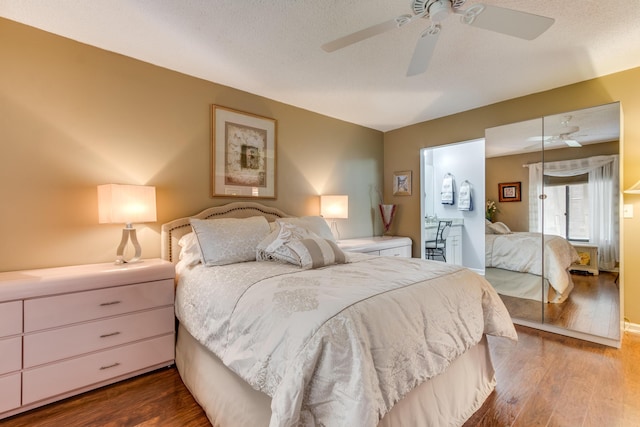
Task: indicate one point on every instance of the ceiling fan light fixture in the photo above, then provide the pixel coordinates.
(439, 10)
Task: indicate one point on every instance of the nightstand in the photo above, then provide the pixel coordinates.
(384, 246)
(68, 330)
(588, 258)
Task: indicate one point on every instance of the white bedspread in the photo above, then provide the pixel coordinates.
(523, 252)
(338, 345)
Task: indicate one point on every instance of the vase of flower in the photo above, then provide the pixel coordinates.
(387, 212)
(491, 210)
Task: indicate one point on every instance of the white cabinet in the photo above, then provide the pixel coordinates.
(84, 327)
(384, 246)
(454, 245)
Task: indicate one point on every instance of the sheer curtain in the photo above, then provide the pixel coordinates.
(603, 200)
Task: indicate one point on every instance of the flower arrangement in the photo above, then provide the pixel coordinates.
(491, 210)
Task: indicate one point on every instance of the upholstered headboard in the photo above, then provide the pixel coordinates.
(174, 230)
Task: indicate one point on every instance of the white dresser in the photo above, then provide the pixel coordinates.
(67, 330)
(384, 245)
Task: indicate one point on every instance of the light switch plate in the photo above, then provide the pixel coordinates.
(628, 211)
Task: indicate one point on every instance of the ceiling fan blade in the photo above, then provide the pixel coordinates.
(572, 143)
(507, 21)
(366, 33)
(423, 51)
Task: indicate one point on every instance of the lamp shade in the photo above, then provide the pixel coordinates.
(126, 204)
(634, 189)
(334, 207)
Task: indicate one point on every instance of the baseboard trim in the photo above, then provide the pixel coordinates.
(632, 328)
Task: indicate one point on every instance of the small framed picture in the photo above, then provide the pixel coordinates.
(402, 183)
(509, 192)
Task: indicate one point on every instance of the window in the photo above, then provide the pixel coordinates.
(566, 208)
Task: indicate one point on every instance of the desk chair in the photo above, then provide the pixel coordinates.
(438, 247)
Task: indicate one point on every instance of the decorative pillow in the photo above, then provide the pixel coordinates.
(316, 252)
(487, 227)
(500, 228)
(315, 224)
(189, 249)
(229, 240)
(273, 247)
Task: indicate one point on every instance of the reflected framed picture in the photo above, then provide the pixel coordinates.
(509, 192)
(243, 154)
(402, 183)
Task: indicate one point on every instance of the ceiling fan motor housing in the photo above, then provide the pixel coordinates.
(437, 10)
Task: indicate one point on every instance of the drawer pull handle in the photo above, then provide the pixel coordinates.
(104, 304)
(102, 368)
(109, 335)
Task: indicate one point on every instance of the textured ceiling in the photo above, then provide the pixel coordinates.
(272, 48)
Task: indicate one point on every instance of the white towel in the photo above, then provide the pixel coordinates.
(465, 201)
(446, 193)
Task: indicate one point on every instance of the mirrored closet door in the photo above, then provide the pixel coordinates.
(552, 249)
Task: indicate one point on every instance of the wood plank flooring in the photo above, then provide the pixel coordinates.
(592, 307)
(543, 380)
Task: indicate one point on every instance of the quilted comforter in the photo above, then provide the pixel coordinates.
(523, 252)
(338, 345)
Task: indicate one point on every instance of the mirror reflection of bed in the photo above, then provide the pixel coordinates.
(579, 214)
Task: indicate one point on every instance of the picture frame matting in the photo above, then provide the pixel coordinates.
(243, 154)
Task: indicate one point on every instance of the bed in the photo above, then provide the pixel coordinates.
(273, 343)
(514, 264)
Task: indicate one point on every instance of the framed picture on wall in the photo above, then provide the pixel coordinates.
(402, 183)
(509, 192)
(243, 154)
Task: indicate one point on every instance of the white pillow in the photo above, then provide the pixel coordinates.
(274, 248)
(189, 249)
(500, 228)
(315, 224)
(229, 240)
(316, 252)
(487, 227)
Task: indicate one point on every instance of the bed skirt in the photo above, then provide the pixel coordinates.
(525, 285)
(228, 401)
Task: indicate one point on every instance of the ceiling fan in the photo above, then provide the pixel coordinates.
(566, 135)
(502, 20)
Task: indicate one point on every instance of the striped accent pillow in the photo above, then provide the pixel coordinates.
(316, 252)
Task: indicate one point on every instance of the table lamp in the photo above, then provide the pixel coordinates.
(126, 204)
(334, 207)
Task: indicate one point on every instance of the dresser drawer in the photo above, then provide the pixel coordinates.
(56, 344)
(71, 374)
(10, 392)
(59, 310)
(10, 318)
(10, 354)
(372, 252)
(401, 251)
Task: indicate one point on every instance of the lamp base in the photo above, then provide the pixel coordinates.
(128, 233)
(334, 230)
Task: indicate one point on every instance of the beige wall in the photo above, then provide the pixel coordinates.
(73, 116)
(401, 152)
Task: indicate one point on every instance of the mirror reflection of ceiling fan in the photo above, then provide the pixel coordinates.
(564, 134)
(502, 20)
(567, 134)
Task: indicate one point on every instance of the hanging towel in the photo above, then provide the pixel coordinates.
(446, 193)
(465, 201)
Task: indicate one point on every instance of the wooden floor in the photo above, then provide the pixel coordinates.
(543, 380)
(592, 307)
